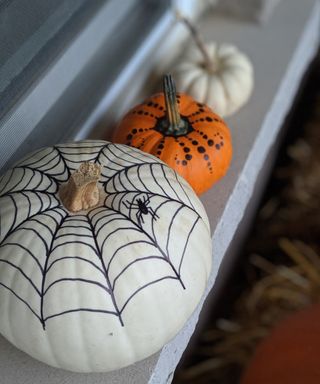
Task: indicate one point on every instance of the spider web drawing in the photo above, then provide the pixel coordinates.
(96, 261)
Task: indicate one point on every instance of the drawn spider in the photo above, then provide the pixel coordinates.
(142, 205)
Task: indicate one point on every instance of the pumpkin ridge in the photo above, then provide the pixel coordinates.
(84, 144)
(185, 193)
(14, 226)
(186, 244)
(229, 104)
(167, 180)
(156, 181)
(151, 242)
(147, 140)
(124, 170)
(128, 161)
(35, 161)
(166, 255)
(95, 156)
(101, 151)
(55, 162)
(117, 171)
(19, 269)
(22, 192)
(137, 229)
(193, 82)
(75, 279)
(27, 251)
(22, 300)
(94, 159)
(25, 159)
(143, 287)
(149, 257)
(14, 187)
(96, 310)
(170, 225)
(49, 250)
(63, 160)
(74, 258)
(42, 173)
(138, 155)
(114, 216)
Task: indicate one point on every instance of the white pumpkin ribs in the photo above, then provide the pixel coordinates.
(83, 262)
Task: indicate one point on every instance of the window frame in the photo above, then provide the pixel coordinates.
(78, 96)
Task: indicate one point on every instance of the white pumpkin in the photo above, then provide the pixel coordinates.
(100, 288)
(219, 75)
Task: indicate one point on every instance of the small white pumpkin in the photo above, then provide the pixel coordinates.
(104, 254)
(219, 75)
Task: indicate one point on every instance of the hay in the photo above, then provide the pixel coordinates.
(229, 344)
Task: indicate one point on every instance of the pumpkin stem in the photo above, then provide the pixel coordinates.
(177, 126)
(197, 38)
(81, 191)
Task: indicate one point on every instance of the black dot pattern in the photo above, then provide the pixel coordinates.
(161, 146)
(203, 139)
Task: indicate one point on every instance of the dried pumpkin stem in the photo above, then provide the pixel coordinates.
(198, 40)
(176, 126)
(81, 191)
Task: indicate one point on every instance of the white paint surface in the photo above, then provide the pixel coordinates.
(280, 51)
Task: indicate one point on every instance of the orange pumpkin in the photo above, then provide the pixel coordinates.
(183, 133)
(290, 354)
